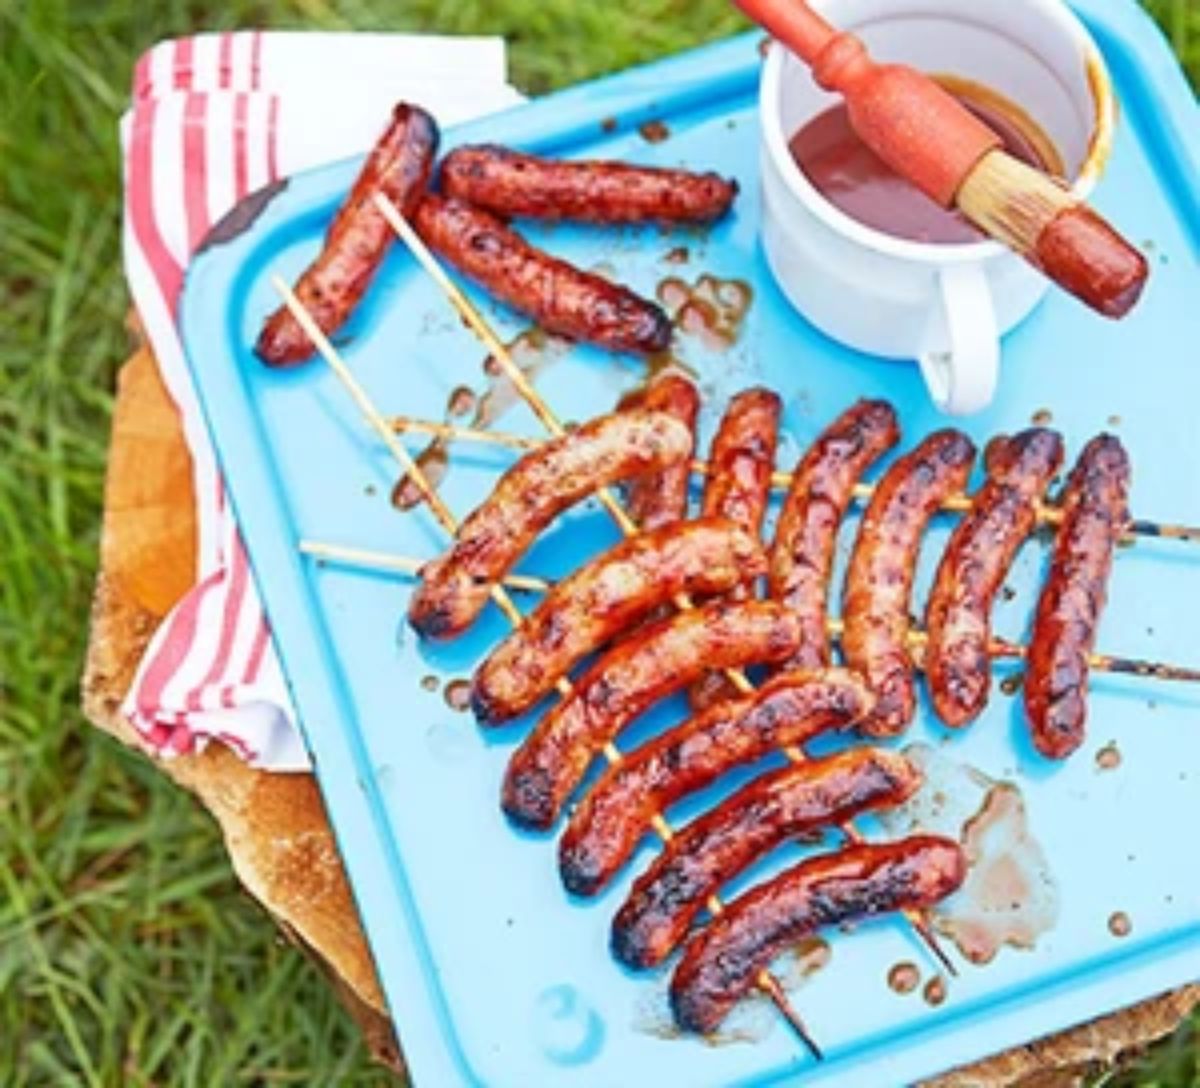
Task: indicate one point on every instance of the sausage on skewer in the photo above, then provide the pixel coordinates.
(509, 182)
(958, 617)
(789, 709)
(600, 601)
(719, 845)
(820, 493)
(741, 461)
(882, 565)
(455, 587)
(561, 298)
(660, 498)
(650, 665)
(398, 166)
(721, 963)
(1095, 515)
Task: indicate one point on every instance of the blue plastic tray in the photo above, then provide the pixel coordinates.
(493, 974)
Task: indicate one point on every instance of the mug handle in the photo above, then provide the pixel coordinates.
(961, 373)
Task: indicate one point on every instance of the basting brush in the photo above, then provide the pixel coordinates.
(927, 136)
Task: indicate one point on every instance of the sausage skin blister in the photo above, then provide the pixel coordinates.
(602, 599)
(455, 587)
(509, 182)
(1095, 516)
(660, 498)
(741, 461)
(958, 617)
(722, 843)
(789, 709)
(561, 298)
(650, 665)
(721, 963)
(882, 566)
(355, 244)
(806, 535)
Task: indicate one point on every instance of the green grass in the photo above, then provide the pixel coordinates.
(127, 953)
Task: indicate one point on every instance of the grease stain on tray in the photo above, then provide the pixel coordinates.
(434, 463)
(457, 694)
(708, 317)
(935, 991)
(532, 350)
(711, 310)
(1109, 757)
(903, 977)
(1009, 897)
(654, 132)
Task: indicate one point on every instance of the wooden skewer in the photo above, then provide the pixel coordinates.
(917, 638)
(543, 411)
(780, 480)
(403, 564)
(766, 982)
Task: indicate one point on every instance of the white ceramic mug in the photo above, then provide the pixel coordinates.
(946, 306)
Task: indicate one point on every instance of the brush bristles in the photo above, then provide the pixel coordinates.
(1011, 201)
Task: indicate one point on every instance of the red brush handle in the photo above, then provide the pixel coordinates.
(793, 22)
(920, 130)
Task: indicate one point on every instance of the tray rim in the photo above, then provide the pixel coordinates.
(408, 974)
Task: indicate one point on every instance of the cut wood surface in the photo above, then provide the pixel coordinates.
(275, 827)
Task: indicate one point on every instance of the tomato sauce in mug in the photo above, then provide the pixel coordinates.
(853, 178)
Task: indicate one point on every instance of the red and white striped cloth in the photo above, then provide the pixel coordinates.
(213, 118)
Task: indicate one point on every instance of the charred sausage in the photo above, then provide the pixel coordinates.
(1095, 515)
(659, 498)
(882, 565)
(649, 666)
(512, 183)
(720, 964)
(398, 166)
(561, 298)
(715, 848)
(958, 618)
(602, 599)
(455, 587)
(789, 709)
(742, 459)
(741, 462)
(806, 535)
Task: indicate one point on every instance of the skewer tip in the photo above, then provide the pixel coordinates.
(921, 925)
(771, 987)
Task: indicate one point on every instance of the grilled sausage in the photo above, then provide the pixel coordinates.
(882, 565)
(806, 535)
(647, 667)
(958, 618)
(743, 458)
(1095, 515)
(512, 183)
(789, 709)
(398, 166)
(720, 964)
(659, 498)
(602, 599)
(741, 462)
(561, 298)
(455, 587)
(715, 848)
